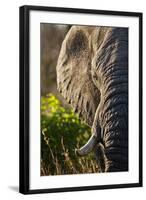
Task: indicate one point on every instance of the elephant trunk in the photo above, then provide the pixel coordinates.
(115, 137)
(114, 121)
(110, 76)
(111, 72)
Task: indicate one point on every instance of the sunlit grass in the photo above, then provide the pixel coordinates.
(61, 132)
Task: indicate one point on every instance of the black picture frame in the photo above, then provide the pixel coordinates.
(25, 105)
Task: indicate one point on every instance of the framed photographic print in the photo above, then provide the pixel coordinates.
(80, 99)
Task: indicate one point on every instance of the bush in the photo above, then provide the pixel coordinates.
(61, 132)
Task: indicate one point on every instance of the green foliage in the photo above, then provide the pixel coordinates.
(61, 132)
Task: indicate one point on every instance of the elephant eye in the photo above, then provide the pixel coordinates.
(78, 43)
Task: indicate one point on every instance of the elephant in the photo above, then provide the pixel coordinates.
(92, 76)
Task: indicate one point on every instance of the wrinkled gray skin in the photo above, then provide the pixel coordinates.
(92, 75)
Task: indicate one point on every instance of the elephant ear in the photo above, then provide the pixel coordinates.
(74, 78)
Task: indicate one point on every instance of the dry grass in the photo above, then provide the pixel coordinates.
(67, 165)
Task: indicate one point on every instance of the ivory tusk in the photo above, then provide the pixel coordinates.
(88, 147)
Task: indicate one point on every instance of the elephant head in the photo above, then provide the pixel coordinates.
(92, 75)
